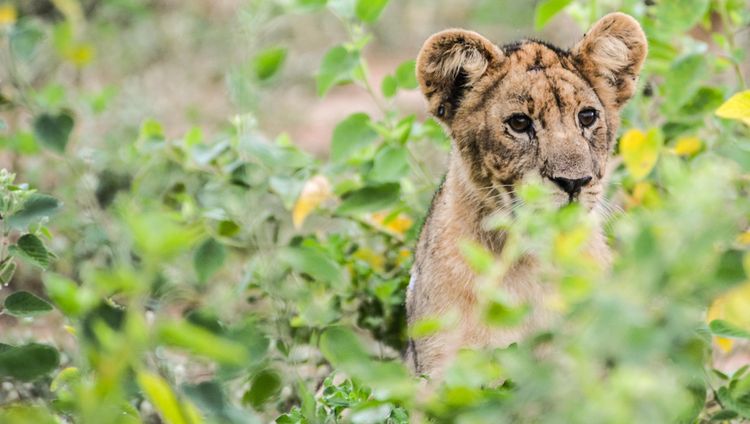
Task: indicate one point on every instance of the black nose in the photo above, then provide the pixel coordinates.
(571, 186)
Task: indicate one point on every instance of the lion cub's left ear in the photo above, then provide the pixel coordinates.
(611, 55)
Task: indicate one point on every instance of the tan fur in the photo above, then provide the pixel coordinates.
(473, 87)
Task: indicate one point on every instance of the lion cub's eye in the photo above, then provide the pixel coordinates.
(587, 117)
(519, 123)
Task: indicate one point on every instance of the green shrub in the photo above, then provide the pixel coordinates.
(234, 278)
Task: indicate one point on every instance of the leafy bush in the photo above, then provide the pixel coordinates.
(236, 278)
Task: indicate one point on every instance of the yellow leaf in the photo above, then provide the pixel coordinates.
(737, 107)
(376, 261)
(315, 191)
(162, 397)
(8, 14)
(398, 224)
(644, 194)
(80, 55)
(734, 307)
(640, 151)
(687, 146)
(744, 238)
(71, 9)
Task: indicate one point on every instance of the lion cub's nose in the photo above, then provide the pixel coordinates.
(571, 186)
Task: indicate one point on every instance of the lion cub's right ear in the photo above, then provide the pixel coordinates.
(449, 64)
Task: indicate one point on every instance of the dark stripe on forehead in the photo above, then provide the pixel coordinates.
(489, 92)
(556, 93)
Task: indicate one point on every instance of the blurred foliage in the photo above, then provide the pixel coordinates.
(235, 278)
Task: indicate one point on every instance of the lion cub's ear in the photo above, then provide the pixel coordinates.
(611, 55)
(449, 64)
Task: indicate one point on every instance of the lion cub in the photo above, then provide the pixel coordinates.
(526, 109)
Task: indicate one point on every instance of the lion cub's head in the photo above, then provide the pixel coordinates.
(531, 109)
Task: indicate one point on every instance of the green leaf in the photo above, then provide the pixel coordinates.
(546, 10)
(723, 328)
(7, 270)
(30, 248)
(264, 386)
(675, 16)
(72, 300)
(406, 75)
(310, 4)
(683, 80)
(310, 261)
(65, 377)
(391, 163)
(25, 304)
(19, 413)
(54, 130)
(162, 397)
(370, 199)
(389, 86)
(369, 10)
(336, 68)
(36, 207)
(342, 348)
(208, 258)
(268, 62)
(350, 135)
(201, 342)
(28, 362)
(25, 39)
(479, 259)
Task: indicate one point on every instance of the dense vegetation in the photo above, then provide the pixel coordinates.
(223, 276)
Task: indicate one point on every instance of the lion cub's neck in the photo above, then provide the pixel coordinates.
(464, 207)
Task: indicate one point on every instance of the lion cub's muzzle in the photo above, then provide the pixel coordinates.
(571, 186)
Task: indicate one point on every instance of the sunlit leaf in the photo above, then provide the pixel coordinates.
(25, 304)
(315, 191)
(202, 342)
(65, 377)
(688, 146)
(369, 10)
(162, 397)
(8, 14)
(640, 151)
(546, 10)
(20, 413)
(737, 107)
